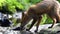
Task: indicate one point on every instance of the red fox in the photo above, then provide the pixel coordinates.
(51, 8)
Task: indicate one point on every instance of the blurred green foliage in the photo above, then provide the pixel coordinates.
(10, 5)
(58, 0)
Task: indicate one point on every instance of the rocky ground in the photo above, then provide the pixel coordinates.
(43, 29)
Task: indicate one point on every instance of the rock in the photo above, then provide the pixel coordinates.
(54, 30)
(1, 33)
(43, 29)
(11, 32)
(26, 32)
(6, 30)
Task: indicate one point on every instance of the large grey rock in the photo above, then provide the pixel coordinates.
(54, 30)
(43, 29)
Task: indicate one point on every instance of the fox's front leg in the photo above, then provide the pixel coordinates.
(24, 21)
(38, 23)
(33, 22)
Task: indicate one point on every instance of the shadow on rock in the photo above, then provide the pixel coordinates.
(43, 31)
(26, 32)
